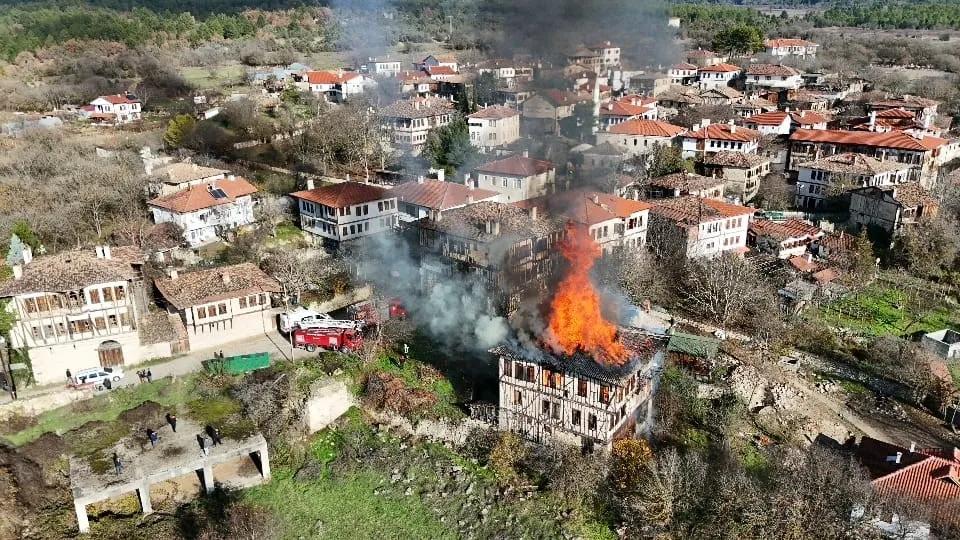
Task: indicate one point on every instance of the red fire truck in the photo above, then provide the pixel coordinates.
(330, 339)
(367, 315)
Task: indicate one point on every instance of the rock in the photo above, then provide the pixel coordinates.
(408, 492)
(469, 489)
(395, 478)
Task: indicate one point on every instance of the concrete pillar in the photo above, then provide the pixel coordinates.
(208, 478)
(264, 463)
(82, 521)
(144, 493)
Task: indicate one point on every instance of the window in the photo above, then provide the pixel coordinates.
(201, 312)
(36, 332)
(366, 226)
(344, 231)
(262, 299)
(112, 320)
(592, 421)
(582, 388)
(556, 411)
(507, 367)
(222, 308)
(530, 374)
(575, 417)
(347, 210)
(95, 296)
(353, 229)
(252, 300)
(100, 323)
(108, 295)
(545, 409)
(243, 302)
(518, 371)
(604, 394)
(124, 320)
(517, 397)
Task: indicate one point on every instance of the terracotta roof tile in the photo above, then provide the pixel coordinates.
(418, 108)
(440, 70)
(213, 284)
(684, 67)
(181, 173)
(722, 68)
(559, 98)
(621, 108)
(646, 128)
(788, 42)
(585, 207)
(438, 195)
(725, 132)
(895, 113)
(807, 118)
(775, 70)
(739, 160)
(792, 228)
(826, 276)
(802, 264)
(892, 139)
(853, 163)
(516, 165)
(198, 197)
(344, 194)
(330, 77)
(686, 182)
(495, 112)
(912, 195)
(471, 222)
(904, 102)
(774, 118)
(120, 99)
(701, 53)
(694, 210)
(73, 270)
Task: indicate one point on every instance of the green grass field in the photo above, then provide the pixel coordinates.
(216, 77)
(105, 407)
(882, 309)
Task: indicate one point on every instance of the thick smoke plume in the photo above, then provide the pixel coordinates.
(456, 310)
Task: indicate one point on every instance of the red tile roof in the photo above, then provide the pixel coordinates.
(621, 108)
(344, 194)
(931, 476)
(701, 53)
(892, 139)
(200, 196)
(773, 70)
(558, 98)
(826, 276)
(646, 128)
(214, 284)
(329, 77)
(516, 166)
(438, 195)
(440, 70)
(584, 206)
(725, 132)
(895, 113)
(695, 210)
(792, 228)
(802, 264)
(788, 42)
(495, 112)
(774, 118)
(120, 99)
(684, 66)
(722, 68)
(807, 118)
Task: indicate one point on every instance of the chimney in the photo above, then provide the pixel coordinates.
(99, 251)
(898, 457)
(873, 118)
(310, 184)
(489, 225)
(106, 252)
(803, 114)
(596, 199)
(348, 178)
(705, 122)
(913, 447)
(469, 199)
(226, 278)
(809, 257)
(27, 254)
(231, 177)
(420, 179)
(733, 128)
(533, 213)
(17, 271)
(174, 274)
(441, 174)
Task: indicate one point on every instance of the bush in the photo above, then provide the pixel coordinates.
(506, 454)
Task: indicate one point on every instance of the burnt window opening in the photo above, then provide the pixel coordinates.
(604, 394)
(582, 388)
(546, 408)
(531, 376)
(575, 417)
(592, 421)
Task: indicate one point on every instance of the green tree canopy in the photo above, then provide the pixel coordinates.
(449, 146)
(178, 130)
(738, 40)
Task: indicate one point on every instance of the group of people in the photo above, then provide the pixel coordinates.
(210, 431)
(145, 375)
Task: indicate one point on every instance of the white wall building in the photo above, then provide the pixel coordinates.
(494, 126)
(431, 198)
(207, 211)
(407, 122)
(773, 77)
(699, 227)
(336, 85)
(712, 138)
(517, 177)
(791, 47)
(717, 75)
(639, 137)
(382, 66)
(115, 109)
(221, 305)
(346, 211)
(831, 176)
(78, 309)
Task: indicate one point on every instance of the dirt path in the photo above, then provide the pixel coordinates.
(839, 409)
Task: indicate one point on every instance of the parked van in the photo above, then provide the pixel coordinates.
(96, 376)
(308, 318)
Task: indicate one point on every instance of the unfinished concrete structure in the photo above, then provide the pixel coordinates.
(576, 399)
(176, 455)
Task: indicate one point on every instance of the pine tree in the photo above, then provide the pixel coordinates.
(15, 253)
(178, 129)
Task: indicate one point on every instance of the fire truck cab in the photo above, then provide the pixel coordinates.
(330, 339)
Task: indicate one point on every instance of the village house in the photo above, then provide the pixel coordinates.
(675, 98)
(838, 248)
(517, 177)
(543, 112)
(682, 73)
(573, 400)
(220, 305)
(115, 109)
(648, 83)
(494, 126)
(753, 107)
(335, 85)
(784, 47)
(783, 240)
(440, 73)
(346, 212)
(924, 110)
(741, 173)
(944, 343)
(179, 176)
(508, 250)
(785, 122)
(809, 100)
(604, 156)
(514, 97)
(431, 198)
(716, 75)
(407, 122)
(703, 58)
(617, 111)
(411, 83)
(708, 138)
(206, 212)
(832, 176)
(923, 154)
(928, 476)
(432, 61)
(892, 207)
(613, 222)
(886, 120)
(79, 309)
(773, 78)
(683, 184)
(382, 66)
(600, 57)
(640, 137)
(721, 95)
(698, 227)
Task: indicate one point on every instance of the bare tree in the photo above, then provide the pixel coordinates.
(721, 289)
(272, 210)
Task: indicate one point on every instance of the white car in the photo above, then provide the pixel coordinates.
(96, 376)
(307, 318)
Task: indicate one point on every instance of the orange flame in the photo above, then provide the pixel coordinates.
(576, 323)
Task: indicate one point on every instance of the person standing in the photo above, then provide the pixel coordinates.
(203, 444)
(216, 437)
(149, 376)
(172, 420)
(152, 435)
(69, 377)
(117, 465)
